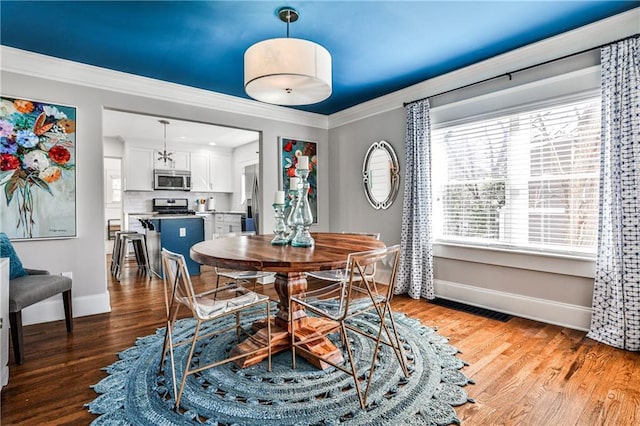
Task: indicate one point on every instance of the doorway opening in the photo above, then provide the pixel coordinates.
(112, 199)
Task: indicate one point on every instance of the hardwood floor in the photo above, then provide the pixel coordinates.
(526, 372)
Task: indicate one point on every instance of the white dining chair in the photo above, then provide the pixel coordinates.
(228, 300)
(337, 275)
(238, 276)
(342, 301)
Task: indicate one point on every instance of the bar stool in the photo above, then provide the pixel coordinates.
(139, 247)
(115, 254)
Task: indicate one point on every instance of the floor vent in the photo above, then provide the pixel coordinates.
(483, 312)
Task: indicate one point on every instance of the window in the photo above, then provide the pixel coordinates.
(525, 179)
(114, 188)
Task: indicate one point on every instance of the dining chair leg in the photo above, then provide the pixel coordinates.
(382, 309)
(397, 346)
(67, 302)
(238, 334)
(292, 336)
(17, 338)
(165, 343)
(269, 351)
(171, 319)
(169, 346)
(354, 373)
(186, 368)
(375, 355)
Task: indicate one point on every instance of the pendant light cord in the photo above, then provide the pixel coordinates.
(165, 139)
(165, 155)
(288, 15)
(288, 22)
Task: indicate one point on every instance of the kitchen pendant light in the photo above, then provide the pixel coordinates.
(165, 155)
(287, 71)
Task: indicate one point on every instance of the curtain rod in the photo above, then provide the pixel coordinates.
(510, 74)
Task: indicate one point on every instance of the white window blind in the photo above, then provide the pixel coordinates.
(525, 179)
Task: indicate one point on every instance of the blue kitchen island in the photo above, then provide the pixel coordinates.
(176, 233)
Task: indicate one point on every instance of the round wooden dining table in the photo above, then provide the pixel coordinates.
(256, 253)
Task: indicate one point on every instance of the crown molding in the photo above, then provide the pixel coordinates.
(47, 67)
(50, 68)
(595, 34)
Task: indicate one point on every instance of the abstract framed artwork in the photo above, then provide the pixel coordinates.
(290, 150)
(37, 169)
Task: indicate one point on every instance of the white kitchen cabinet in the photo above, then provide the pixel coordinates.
(4, 321)
(200, 174)
(209, 229)
(221, 172)
(211, 172)
(181, 160)
(220, 224)
(224, 223)
(138, 173)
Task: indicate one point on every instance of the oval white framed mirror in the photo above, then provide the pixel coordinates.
(380, 175)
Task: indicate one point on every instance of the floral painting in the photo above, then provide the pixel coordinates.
(37, 169)
(290, 151)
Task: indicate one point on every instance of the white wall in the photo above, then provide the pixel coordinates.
(113, 147)
(349, 143)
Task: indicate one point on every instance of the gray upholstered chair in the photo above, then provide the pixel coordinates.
(26, 290)
(29, 286)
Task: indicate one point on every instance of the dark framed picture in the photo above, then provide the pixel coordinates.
(37, 169)
(291, 150)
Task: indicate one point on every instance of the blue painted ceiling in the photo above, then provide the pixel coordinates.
(377, 46)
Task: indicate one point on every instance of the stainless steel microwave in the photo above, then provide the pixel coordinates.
(169, 179)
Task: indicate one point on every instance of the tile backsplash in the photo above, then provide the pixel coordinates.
(141, 201)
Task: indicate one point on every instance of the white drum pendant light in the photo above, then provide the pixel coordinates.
(287, 71)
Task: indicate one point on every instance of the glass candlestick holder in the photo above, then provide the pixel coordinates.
(293, 201)
(279, 229)
(302, 213)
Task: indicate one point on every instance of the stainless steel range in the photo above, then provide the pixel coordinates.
(171, 206)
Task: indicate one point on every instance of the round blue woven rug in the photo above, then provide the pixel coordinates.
(135, 394)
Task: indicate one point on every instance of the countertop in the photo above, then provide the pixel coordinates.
(218, 212)
(152, 215)
(197, 215)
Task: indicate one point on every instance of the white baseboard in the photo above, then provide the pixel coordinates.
(52, 309)
(543, 310)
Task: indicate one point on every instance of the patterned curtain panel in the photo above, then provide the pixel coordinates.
(616, 296)
(415, 273)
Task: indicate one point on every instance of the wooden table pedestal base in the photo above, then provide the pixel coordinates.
(281, 340)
